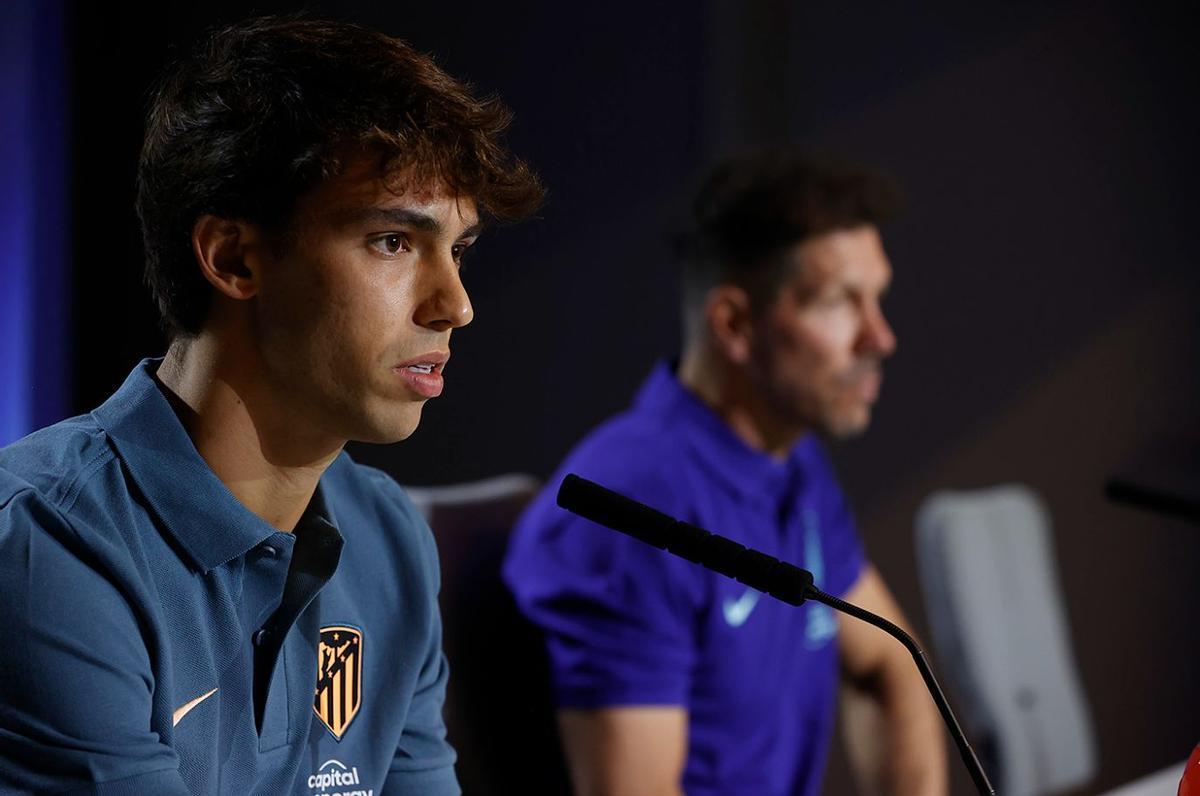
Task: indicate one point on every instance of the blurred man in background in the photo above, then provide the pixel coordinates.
(202, 592)
(669, 677)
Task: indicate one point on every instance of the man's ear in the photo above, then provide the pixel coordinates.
(727, 312)
(222, 246)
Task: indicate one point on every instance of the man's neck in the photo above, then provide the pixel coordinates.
(244, 432)
(725, 390)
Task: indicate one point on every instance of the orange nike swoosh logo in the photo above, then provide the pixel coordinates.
(186, 708)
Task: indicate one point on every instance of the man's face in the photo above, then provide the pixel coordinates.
(817, 347)
(356, 308)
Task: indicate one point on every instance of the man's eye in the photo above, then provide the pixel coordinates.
(458, 250)
(833, 300)
(391, 244)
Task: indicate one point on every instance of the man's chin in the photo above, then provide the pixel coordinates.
(849, 426)
(390, 429)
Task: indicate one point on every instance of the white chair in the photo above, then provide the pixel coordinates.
(990, 580)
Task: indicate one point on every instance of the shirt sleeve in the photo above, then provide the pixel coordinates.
(424, 761)
(618, 615)
(76, 686)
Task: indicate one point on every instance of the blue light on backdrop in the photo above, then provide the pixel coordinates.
(34, 227)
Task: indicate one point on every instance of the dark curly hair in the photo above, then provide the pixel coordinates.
(265, 110)
(754, 207)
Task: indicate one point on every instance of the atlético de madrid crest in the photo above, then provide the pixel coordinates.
(339, 677)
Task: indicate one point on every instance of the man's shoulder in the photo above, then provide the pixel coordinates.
(55, 462)
(375, 499)
(346, 475)
(633, 443)
(64, 510)
(632, 453)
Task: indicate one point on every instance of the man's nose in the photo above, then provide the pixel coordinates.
(445, 304)
(877, 335)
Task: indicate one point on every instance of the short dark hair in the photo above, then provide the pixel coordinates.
(755, 206)
(265, 110)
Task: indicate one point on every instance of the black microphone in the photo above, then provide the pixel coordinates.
(757, 570)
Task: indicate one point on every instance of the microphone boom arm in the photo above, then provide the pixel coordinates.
(939, 698)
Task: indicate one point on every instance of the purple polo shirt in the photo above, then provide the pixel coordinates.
(627, 624)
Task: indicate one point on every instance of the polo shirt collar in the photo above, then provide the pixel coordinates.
(195, 508)
(751, 473)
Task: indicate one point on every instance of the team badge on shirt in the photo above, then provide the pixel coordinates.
(339, 677)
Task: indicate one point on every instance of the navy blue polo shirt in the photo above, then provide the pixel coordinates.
(627, 624)
(161, 638)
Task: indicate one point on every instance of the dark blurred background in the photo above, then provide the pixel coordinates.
(1045, 279)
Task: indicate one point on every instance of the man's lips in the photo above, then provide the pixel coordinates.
(864, 382)
(434, 359)
(423, 374)
(868, 386)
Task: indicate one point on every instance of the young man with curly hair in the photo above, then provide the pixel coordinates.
(202, 592)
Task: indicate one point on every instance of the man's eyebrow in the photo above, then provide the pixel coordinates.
(415, 219)
(473, 231)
